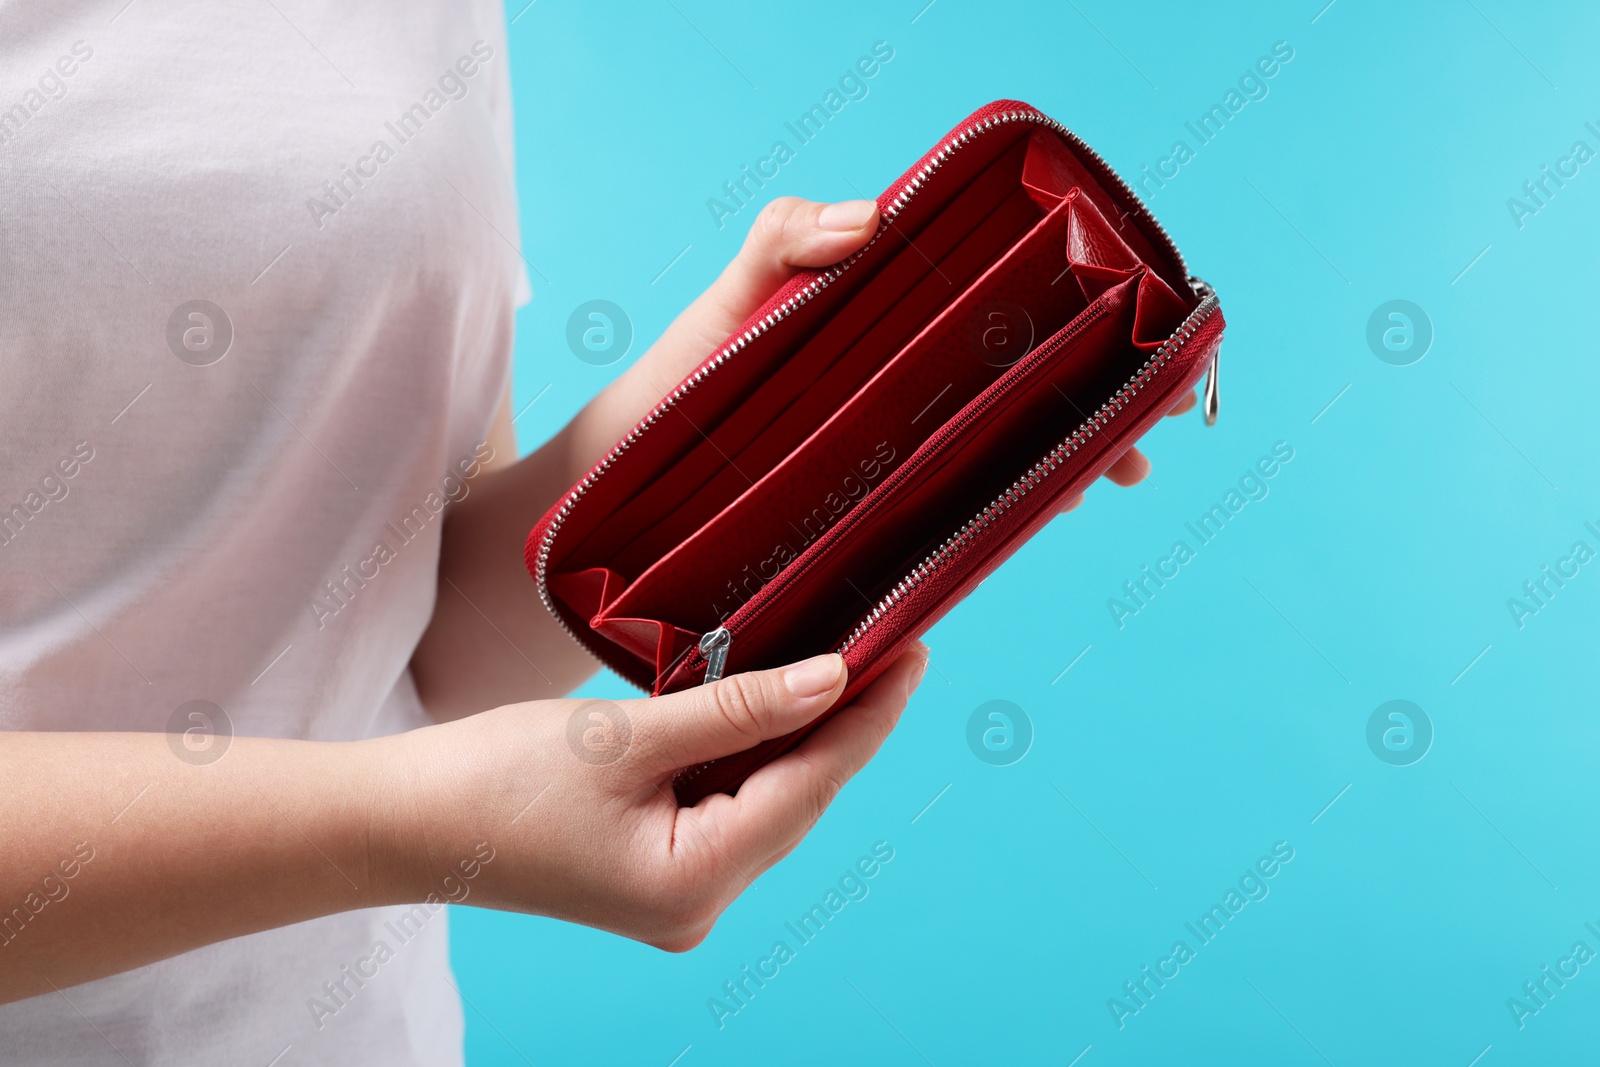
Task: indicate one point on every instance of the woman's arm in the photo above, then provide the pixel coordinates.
(116, 852)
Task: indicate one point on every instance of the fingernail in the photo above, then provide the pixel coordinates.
(814, 676)
(915, 678)
(849, 215)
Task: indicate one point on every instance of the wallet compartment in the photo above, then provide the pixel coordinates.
(661, 549)
(828, 347)
(863, 440)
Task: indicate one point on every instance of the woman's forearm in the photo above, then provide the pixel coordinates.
(117, 851)
(490, 642)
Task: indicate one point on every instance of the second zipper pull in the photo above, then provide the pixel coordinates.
(1212, 400)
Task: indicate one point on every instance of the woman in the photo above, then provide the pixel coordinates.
(259, 279)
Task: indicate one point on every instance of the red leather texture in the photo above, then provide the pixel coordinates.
(882, 434)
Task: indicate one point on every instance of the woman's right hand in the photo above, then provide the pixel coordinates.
(126, 848)
(573, 798)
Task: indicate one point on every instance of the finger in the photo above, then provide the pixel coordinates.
(1186, 402)
(1130, 468)
(788, 235)
(778, 804)
(1071, 504)
(733, 714)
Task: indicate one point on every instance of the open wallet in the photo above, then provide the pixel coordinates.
(883, 433)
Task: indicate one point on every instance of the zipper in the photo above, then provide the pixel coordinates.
(931, 163)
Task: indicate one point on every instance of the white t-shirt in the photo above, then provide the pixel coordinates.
(257, 281)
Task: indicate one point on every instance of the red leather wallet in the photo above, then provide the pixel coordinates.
(884, 433)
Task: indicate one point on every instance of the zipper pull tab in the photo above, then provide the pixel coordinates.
(714, 646)
(1212, 400)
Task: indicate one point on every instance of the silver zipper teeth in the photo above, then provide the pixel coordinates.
(784, 310)
(1030, 481)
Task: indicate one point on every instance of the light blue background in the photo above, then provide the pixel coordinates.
(1228, 714)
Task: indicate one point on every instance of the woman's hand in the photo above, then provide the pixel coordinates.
(573, 798)
(124, 849)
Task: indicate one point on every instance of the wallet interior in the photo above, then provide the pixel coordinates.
(818, 465)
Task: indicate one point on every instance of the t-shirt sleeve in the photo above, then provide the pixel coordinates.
(504, 131)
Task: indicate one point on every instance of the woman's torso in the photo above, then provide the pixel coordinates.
(257, 279)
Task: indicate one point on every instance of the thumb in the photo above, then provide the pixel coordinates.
(788, 235)
(735, 713)
(791, 233)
